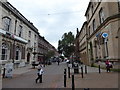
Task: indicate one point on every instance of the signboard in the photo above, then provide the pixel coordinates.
(105, 35)
(9, 70)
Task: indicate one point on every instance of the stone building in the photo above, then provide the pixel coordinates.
(83, 44)
(102, 31)
(20, 41)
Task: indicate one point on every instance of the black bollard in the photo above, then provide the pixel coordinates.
(73, 84)
(64, 77)
(99, 69)
(82, 71)
(85, 69)
(68, 72)
(3, 73)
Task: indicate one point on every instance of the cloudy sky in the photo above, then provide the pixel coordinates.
(53, 18)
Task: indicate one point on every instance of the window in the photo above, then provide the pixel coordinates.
(35, 37)
(20, 31)
(6, 23)
(92, 9)
(101, 15)
(4, 52)
(89, 31)
(17, 57)
(29, 33)
(29, 43)
(88, 16)
(94, 25)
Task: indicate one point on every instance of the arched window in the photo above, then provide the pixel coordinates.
(4, 53)
(17, 56)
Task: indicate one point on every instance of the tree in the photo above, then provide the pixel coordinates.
(66, 45)
(49, 55)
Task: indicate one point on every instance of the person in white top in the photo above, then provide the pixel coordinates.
(39, 73)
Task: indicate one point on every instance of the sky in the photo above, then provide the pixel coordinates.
(53, 18)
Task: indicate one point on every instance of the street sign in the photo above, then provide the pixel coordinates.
(105, 35)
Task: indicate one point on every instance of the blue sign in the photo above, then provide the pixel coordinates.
(105, 35)
(97, 35)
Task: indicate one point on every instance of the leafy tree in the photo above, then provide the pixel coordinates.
(49, 55)
(66, 45)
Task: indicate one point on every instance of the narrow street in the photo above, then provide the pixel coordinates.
(52, 78)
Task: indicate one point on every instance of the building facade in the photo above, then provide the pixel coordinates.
(20, 41)
(102, 31)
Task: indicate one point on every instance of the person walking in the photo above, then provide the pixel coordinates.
(39, 73)
(108, 66)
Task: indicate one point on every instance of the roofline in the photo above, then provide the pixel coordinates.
(87, 8)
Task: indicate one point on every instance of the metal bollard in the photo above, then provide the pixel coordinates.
(64, 77)
(82, 71)
(85, 69)
(3, 73)
(68, 72)
(73, 84)
(99, 69)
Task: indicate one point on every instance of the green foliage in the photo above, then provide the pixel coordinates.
(66, 46)
(49, 55)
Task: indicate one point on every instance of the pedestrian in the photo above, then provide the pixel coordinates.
(58, 62)
(39, 73)
(40, 66)
(108, 65)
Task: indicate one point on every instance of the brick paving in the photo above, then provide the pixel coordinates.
(53, 78)
(95, 80)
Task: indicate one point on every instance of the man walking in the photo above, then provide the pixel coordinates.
(39, 73)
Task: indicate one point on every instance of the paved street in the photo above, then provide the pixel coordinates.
(53, 78)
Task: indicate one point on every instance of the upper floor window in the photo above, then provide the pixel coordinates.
(101, 15)
(88, 16)
(89, 31)
(29, 43)
(35, 37)
(29, 33)
(4, 53)
(20, 31)
(92, 9)
(6, 23)
(94, 25)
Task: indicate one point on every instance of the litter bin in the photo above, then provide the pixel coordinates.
(76, 68)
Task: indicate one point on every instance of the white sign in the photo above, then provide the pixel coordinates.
(9, 70)
(105, 35)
